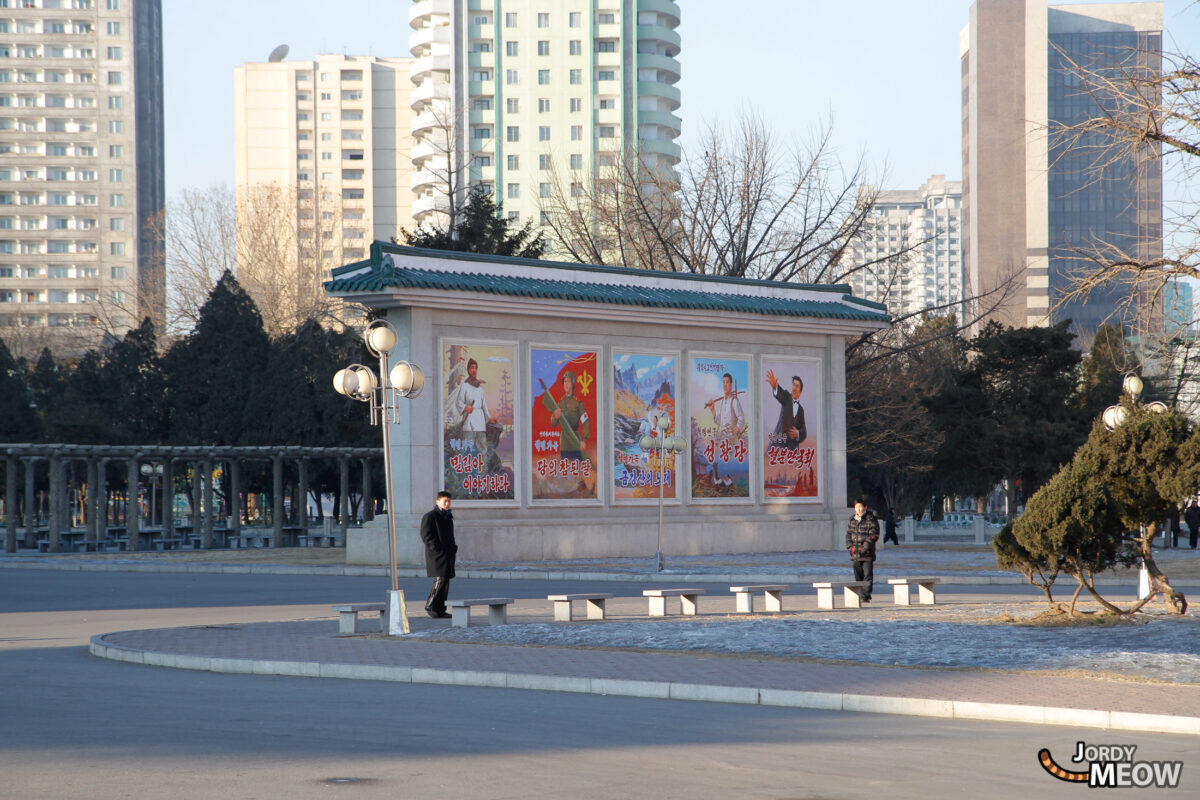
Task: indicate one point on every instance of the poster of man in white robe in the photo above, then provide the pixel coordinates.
(477, 434)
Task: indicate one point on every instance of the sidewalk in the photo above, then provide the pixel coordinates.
(313, 648)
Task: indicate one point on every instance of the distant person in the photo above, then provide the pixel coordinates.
(889, 527)
(1192, 518)
(862, 531)
(1173, 527)
(437, 531)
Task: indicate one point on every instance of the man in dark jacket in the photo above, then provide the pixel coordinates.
(1192, 517)
(862, 531)
(437, 531)
(889, 527)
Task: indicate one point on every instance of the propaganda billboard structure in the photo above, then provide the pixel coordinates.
(548, 375)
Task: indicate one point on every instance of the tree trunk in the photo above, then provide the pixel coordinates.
(1158, 581)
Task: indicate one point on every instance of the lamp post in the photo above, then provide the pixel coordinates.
(154, 473)
(383, 392)
(1114, 417)
(676, 444)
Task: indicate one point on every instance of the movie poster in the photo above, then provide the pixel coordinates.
(643, 393)
(477, 421)
(792, 426)
(718, 397)
(564, 424)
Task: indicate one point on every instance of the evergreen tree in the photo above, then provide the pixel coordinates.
(18, 420)
(135, 388)
(79, 409)
(45, 382)
(215, 376)
(480, 227)
(1103, 371)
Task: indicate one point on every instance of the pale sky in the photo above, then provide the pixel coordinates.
(885, 72)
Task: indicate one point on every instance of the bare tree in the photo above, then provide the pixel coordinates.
(441, 152)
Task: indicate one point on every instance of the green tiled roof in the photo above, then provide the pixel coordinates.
(374, 276)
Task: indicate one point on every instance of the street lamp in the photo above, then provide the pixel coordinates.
(1114, 417)
(383, 392)
(676, 444)
(154, 473)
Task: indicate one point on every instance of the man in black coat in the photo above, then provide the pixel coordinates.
(790, 430)
(862, 531)
(1192, 517)
(437, 531)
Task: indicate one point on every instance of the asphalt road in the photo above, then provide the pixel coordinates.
(72, 725)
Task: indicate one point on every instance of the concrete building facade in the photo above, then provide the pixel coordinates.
(924, 227)
(81, 169)
(333, 134)
(1031, 207)
(517, 94)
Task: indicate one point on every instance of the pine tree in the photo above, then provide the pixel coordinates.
(18, 420)
(480, 227)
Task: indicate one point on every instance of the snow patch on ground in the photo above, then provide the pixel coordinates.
(1165, 649)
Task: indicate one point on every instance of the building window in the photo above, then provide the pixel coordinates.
(543, 190)
(514, 162)
(116, 248)
(118, 297)
(543, 105)
(483, 161)
(510, 20)
(481, 133)
(481, 75)
(115, 126)
(511, 48)
(610, 103)
(606, 46)
(513, 134)
(543, 20)
(576, 47)
(114, 53)
(576, 133)
(352, 75)
(116, 176)
(352, 116)
(117, 273)
(576, 104)
(512, 77)
(544, 47)
(606, 132)
(544, 161)
(575, 19)
(514, 216)
(114, 79)
(114, 29)
(513, 105)
(514, 191)
(115, 151)
(116, 200)
(543, 77)
(543, 133)
(606, 19)
(576, 76)
(607, 75)
(576, 161)
(576, 189)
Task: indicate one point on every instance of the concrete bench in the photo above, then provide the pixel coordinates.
(772, 597)
(315, 539)
(563, 605)
(658, 600)
(850, 595)
(926, 593)
(348, 619)
(460, 610)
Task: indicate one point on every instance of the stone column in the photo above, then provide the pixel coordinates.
(30, 503)
(277, 511)
(100, 499)
(91, 519)
(302, 491)
(133, 527)
(54, 535)
(207, 510)
(10, 504)
(344, 491)
(235, 497)
(197, 496)
(368, 513)
(168, 498)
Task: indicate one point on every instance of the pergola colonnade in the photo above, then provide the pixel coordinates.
(168, 459)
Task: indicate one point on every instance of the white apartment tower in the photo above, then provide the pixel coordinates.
(514, 94)
(909, 255)
(332, 135)
(81, 169)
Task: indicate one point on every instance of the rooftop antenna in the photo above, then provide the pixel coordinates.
(278, 54)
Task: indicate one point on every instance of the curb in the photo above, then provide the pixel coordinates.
(663, 690)
(495, 574)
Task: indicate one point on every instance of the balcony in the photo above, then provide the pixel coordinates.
(424, 67)
(428, 92)
(663, 90)
(667, 7)
(663, 119)
(660, 33)
(421, 10)
(423, 38)
(661, 63)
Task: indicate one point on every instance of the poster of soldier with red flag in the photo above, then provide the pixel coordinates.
(791, 420)
(564, 424)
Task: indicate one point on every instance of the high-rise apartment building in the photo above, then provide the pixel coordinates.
(909, 254)
(1033, 207)
(330, 138)
(519, 94)
(81, 168)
